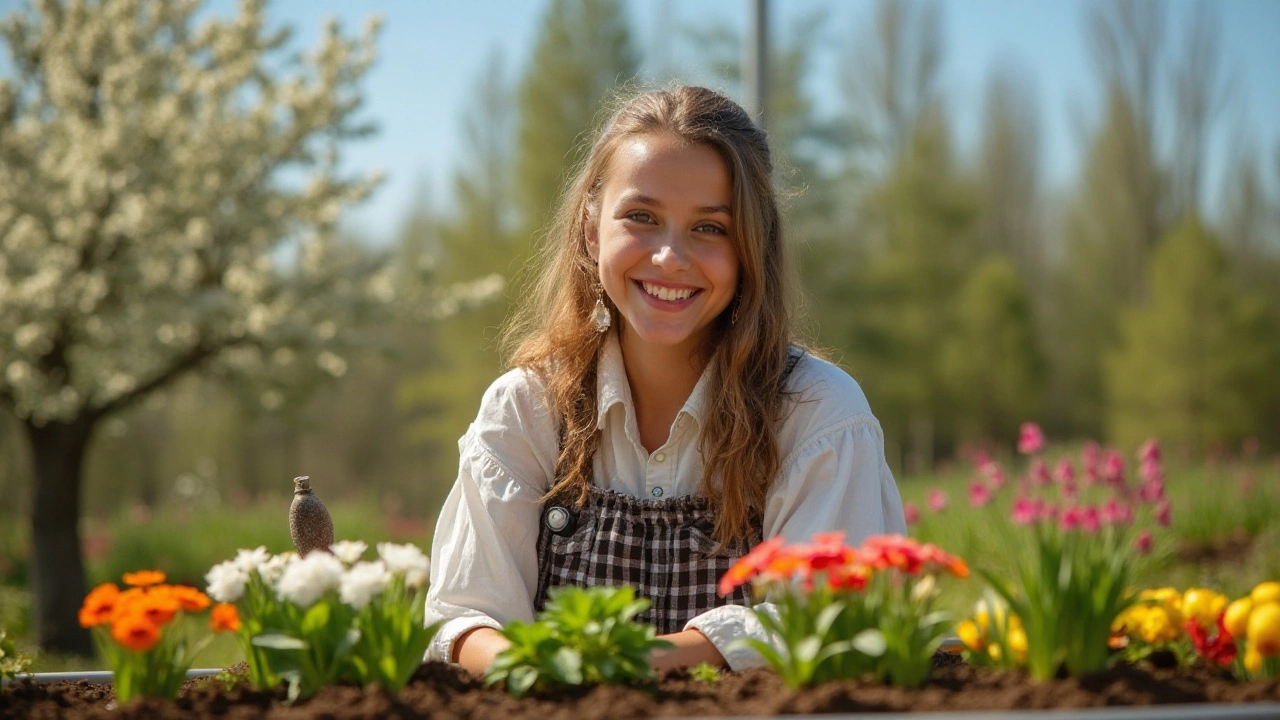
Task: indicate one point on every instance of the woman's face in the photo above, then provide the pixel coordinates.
(664, 240)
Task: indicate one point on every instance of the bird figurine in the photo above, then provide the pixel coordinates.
(309, 523)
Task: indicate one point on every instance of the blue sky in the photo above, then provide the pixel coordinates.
(431, 52)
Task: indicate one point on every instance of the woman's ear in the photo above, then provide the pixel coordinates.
(591, 236)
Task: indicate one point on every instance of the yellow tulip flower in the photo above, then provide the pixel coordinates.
(1264, 629)
(1237, 618)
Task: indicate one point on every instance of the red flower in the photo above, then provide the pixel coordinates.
(749, 565)
(1221, 649)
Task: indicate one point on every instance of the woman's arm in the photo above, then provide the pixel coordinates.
(475, 649)
(691, 648)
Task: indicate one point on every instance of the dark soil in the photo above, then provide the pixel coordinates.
(441, 691)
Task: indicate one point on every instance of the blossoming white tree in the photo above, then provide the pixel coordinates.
(169, 191)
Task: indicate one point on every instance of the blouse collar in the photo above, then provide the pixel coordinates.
(612, 387)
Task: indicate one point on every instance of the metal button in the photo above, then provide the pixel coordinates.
(557, 519)
(656, 492)
(659, 457)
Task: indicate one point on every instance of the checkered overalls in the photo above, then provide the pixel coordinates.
(661, 547)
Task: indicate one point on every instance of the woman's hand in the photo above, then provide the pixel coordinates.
(691, 648)
(475, 649)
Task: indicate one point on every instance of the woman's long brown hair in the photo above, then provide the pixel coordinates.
(553, 337)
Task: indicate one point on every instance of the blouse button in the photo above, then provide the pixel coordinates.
(659, 457)
(656, 492)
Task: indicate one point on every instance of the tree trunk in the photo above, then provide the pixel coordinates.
(57, 452)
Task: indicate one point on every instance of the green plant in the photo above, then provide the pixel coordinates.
(705, 673)
(135, 630)
(840, 612)
(582, 637)
(328, 617)
(1071, 577)
(11, 662)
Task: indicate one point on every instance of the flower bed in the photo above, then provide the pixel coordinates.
(440, 691)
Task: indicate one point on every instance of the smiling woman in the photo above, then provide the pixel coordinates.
(662, 417)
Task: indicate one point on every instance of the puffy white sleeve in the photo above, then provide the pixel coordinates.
(837, 481)
(484, 552)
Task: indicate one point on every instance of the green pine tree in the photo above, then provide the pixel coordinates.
(993, 363)
(1191, 356)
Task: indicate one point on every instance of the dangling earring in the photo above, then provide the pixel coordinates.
(600, 316)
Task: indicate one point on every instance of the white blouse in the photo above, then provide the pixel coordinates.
(484, 571)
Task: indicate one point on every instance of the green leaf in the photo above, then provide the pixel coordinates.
(279, 641)
(567, 663)
(870, 642)
(520, 680)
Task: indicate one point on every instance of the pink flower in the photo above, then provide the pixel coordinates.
(1162, 513)
(1151, 491)
(1071, 518)
(1065, 472)
(1143, 543)
(1030, 439)
(997, 476)
(937, 500)
(1090, 519)
(1048, 511)
(1024, 512)
(1040, 472)
(981, 459)
(1150, 470)
(1115, 512)
(1150, 451)
(979, 493)
(1113, 469)
(911, 513)
(1092, 455)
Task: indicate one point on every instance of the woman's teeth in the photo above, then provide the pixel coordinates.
(668, 294)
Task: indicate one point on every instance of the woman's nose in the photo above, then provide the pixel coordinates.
(671, 253)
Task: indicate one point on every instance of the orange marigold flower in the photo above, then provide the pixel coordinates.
(135, 632)
(157, 607)
(748, 565)
(99, 605)
(143, 578)
(224, 618)
(189, 598)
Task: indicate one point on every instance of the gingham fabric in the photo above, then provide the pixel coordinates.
(661, 547)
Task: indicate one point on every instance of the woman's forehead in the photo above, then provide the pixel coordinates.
(665, 169)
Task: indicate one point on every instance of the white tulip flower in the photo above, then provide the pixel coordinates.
(305, 580)
(363, 582)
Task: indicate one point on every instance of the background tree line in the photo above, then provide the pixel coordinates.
(962, 293)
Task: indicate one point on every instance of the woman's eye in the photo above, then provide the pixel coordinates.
(640, 216)
(710, 228)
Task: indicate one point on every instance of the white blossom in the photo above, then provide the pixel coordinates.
(362, 582)
(349, 551)
(405, 560)
(305, 580)
(226, 581)
(271, 570)
(251, 560)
